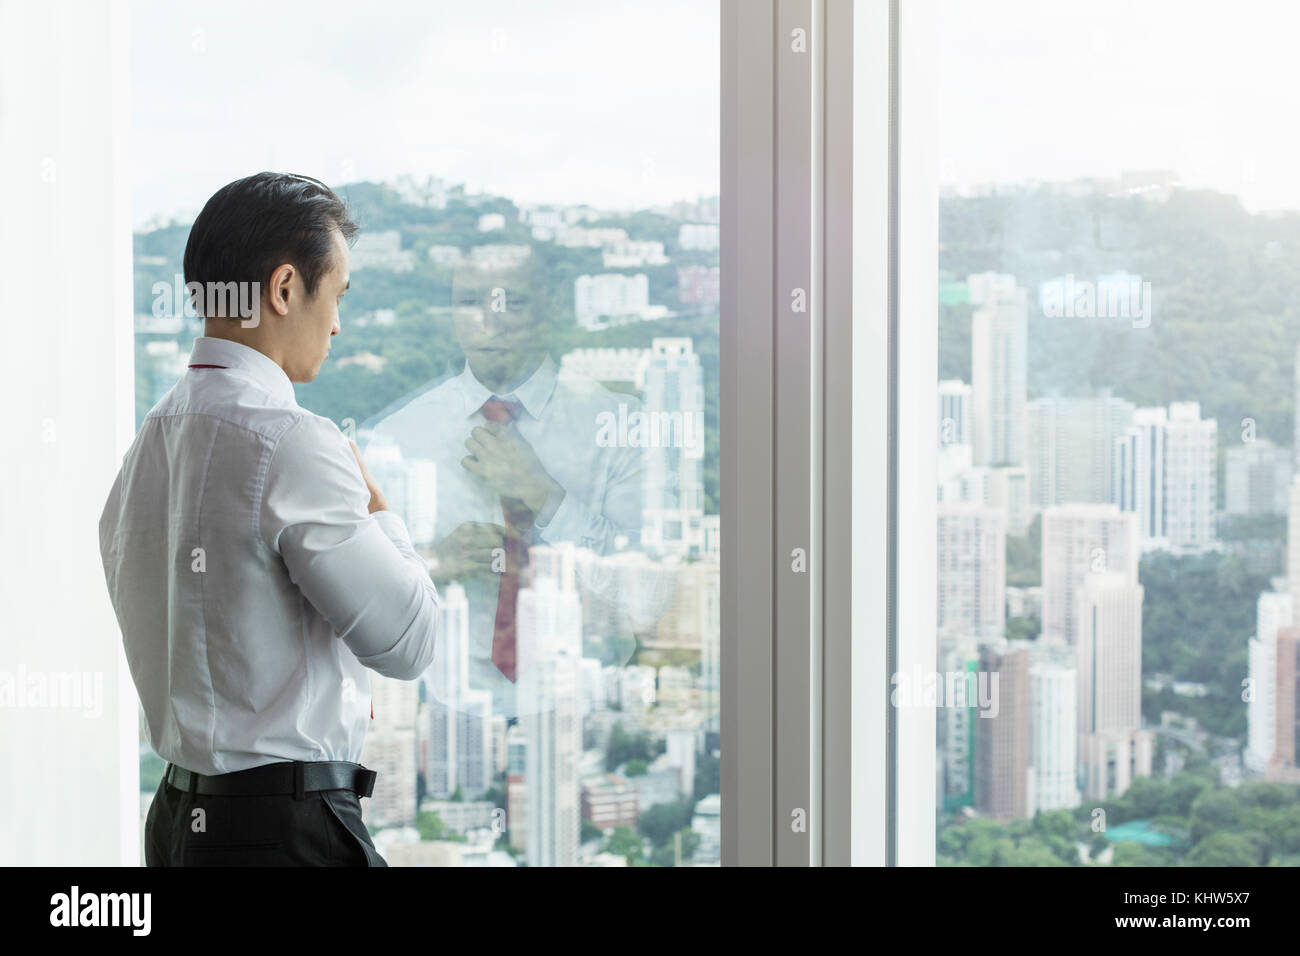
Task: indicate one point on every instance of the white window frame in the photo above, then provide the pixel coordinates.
(828, 178)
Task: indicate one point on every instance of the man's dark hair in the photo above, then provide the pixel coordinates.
(255, 224)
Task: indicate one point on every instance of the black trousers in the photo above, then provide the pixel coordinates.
(324, 828)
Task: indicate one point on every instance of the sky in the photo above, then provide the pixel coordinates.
(1055, 90)
(599, 101)
(615, 103)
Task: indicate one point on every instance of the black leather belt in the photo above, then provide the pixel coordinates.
(292, 777)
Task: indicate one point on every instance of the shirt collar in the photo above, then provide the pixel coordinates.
(260, 368)
(534, 394)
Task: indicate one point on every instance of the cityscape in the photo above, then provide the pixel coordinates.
(1111, 542)
(608, 755)
(1076, 529)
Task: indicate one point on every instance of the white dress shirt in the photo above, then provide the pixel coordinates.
(600, 510)
(252, 585)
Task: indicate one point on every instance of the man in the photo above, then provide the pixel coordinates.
(254, 567)
(520, 463)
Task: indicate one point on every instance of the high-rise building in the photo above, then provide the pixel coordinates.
(972, 573)
(460, 744)
(500, 750)
(1293, 544)
(999, 343)
(447, 679)
(1108, 647)
(549, 629)
(1002, 775)
(474, 744)
(411, 487)
(610, 298)
(958, 478)
(1191, 475)
(549, 621)
(591, 686)
(390, 750)
(1053, 736)
(557, 563)
(955, 425)
(956, 764)
(609, 801)
(1273, 611)
(711, 658)
(1005, 489)
(1166, 473)
(1257, 478)
(554, 746)
(682, 746)
(1070, 446)
(626, 592)
(517, 788)
(1139, 474)
(694, 615)
(1286, 759)
(699, 288)
(1079, 539)
(674, 484)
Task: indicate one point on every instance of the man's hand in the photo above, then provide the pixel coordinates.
(469, 551)
(504, 459)
(377, 500)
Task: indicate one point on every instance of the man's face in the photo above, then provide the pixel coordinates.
(315, 319)
(498, 334)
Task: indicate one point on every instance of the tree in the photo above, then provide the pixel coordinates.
(624, 842)
(430, 826)
(1225, 849)
(1023, 628)
(1214, 811)
(1025, 557)
(708, 776)
(666, 855)
(623, 747)
(1129, 853)
(662, 820)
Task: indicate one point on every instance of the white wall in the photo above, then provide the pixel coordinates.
(70, 793)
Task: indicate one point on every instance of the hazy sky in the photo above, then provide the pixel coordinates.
(598, 101)
(1050, 89)
(615, 102)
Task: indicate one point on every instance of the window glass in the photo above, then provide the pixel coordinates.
(1117, 344)
(537, 188)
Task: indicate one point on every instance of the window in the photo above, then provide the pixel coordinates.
(531, 236)
(1116, 392)
(952, 315)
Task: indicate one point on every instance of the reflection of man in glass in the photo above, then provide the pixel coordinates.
(518, 465)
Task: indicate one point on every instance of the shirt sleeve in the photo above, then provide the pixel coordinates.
(598, 521)
(358, 570)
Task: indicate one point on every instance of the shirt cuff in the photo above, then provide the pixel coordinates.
(567, 523)
(392, 525)
(547, 514)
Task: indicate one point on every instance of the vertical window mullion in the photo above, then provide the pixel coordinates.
(746, 430)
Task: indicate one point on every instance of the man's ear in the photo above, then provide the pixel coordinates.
(278, 288)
